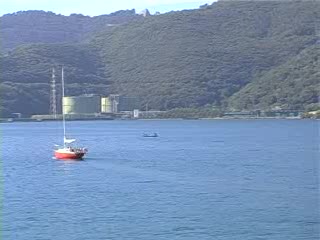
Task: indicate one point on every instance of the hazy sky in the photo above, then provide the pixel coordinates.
(98, 7)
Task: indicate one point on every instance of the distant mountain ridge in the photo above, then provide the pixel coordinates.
(240, 55)
(203, 57)
(28, 27)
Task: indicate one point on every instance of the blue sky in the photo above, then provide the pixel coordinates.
(97, 7)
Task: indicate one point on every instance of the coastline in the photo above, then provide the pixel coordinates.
(12, 120)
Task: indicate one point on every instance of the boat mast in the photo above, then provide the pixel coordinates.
(53, 102)
(63, 117)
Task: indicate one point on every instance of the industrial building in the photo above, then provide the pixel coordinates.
(107, 105)
(84, 104)
(117, 103)
(90, 104)
(110, 104)
(127, 104)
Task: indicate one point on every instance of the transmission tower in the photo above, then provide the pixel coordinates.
(53, 99)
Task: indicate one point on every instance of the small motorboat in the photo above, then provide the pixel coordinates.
(150, 135)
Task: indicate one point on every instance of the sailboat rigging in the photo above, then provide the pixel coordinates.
(67, 151)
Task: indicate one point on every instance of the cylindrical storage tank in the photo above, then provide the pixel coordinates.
(106, 105)
(128, 103)
(85, 104)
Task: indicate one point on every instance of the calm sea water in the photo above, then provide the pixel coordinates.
(199, 180)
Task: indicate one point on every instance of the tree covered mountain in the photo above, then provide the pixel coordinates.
(292, 85)
(27, 27)
(194, 58)
(28, 69)
(217, 55)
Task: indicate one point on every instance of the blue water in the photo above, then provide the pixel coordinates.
(255, 179)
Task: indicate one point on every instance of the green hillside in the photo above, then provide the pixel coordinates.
(212, 56)
(27, 72)
(194, 58)
(293, 85)
(27, 27)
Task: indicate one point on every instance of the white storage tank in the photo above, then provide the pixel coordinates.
(84, 104)
(106, 105)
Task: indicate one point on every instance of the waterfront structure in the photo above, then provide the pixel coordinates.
(83, 104)
(116, 103)
(136, 113)
(114, 98)
(128, 104)
(275, 113)
(281, 113)
(242, 114)
(106, 105)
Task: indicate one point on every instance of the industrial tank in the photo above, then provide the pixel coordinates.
(128, 103)
(106, 105)
(84, 104)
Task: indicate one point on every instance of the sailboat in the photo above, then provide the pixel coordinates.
(68, 151)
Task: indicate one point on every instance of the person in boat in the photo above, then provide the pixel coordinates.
(150, 135)
(70, 149)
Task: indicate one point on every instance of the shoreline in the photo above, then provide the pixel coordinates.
(11, 120)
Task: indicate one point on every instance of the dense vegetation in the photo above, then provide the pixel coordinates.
(194, 58)
(46, 27)
(242, 55)
(293, 85)
(27, 72)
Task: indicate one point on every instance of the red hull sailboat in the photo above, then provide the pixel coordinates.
(68, 152)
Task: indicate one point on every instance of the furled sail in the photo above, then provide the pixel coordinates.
(69, 140)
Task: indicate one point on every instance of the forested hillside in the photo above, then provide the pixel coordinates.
(46, 27)
(293, 85)
(27, 73)
(224, 55)
(194, 58)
